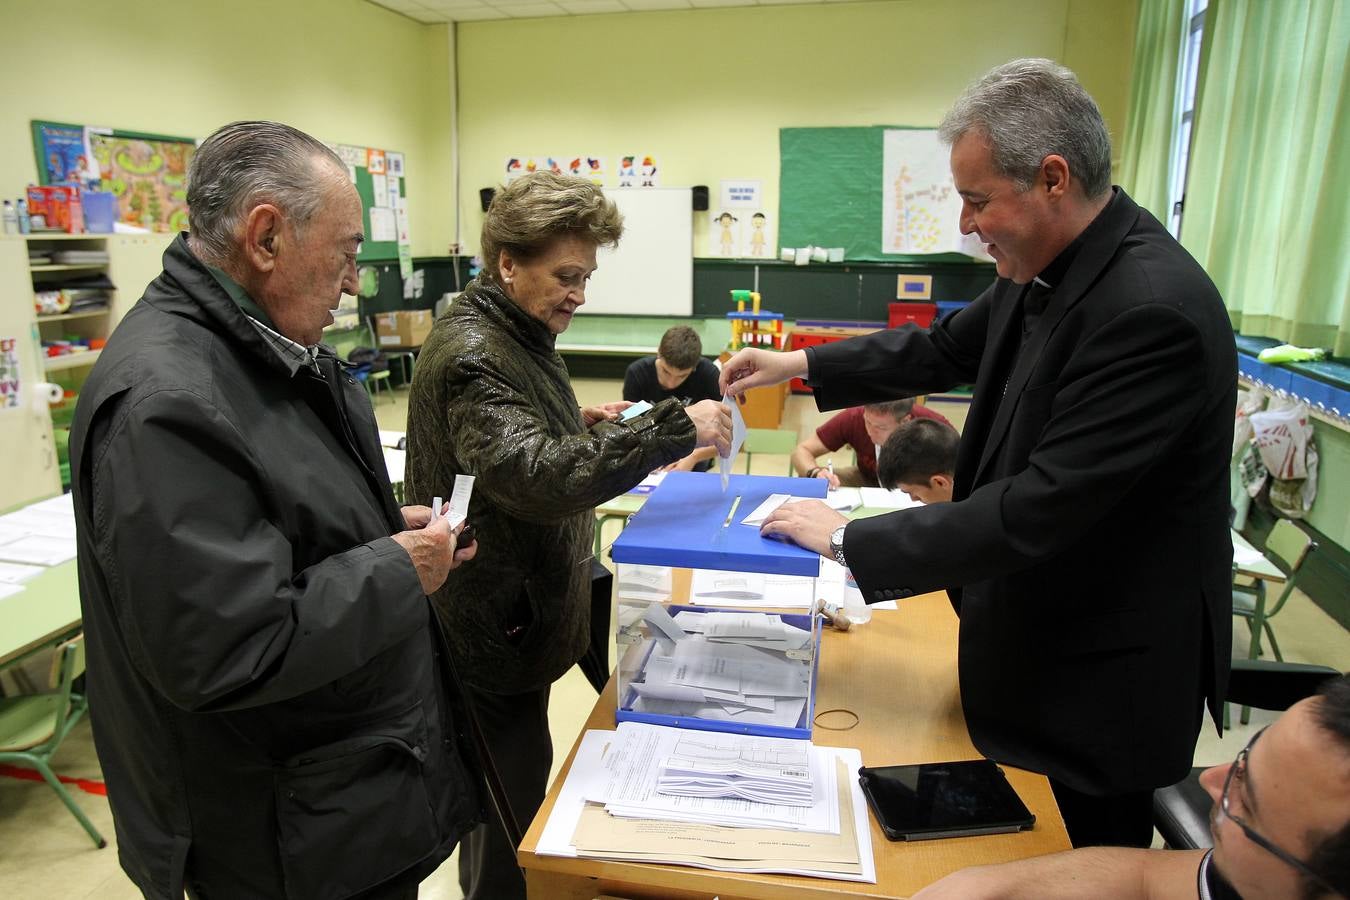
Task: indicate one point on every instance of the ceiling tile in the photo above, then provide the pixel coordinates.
(644, 5)
(534, 10)
(588, 7)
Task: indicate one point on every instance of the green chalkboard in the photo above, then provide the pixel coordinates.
(365, 187)
(829, 192)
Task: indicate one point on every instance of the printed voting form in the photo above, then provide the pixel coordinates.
(627, 765)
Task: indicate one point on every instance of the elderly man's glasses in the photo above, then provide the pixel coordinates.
(1238, 772)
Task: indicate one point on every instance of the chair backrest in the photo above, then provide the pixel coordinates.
(67, 665)
(1289, 543)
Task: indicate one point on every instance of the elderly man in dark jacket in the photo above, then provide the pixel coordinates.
(271, 707)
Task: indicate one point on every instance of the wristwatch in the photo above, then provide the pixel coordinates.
(837, 545)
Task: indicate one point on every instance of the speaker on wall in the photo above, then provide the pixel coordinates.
(700, 198)
(485, 196)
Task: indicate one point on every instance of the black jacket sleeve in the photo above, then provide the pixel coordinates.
(208, 599)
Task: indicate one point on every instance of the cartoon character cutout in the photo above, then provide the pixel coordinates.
(627, 171)
(727, 237)
(554, 167)
(648, 172)
(513, 168)
(574, 167)
(757, 234)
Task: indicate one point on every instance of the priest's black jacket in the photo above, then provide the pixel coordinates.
(1086, 550)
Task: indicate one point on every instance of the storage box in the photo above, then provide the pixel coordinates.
(405, 328)
(920, 314)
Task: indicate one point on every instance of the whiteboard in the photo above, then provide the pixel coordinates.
(652, 270)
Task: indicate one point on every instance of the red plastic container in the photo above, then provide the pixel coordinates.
(921, 314)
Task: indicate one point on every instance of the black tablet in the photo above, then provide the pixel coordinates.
(937, 800)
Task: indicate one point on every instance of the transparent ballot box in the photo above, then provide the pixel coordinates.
(741, 655)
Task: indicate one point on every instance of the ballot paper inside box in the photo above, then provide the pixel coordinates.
(746, 671)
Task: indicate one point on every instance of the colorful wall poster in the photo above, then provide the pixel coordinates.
(920, 207)
(147, 174)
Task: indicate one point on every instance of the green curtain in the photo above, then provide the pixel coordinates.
(1268, 198)
(1146, 152)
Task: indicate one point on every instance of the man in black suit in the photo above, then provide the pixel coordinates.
(1087, 550)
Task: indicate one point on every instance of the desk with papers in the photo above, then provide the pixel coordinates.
(898, 675)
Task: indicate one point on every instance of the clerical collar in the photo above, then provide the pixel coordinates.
(1052, 275)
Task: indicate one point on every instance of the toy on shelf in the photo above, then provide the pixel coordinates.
(755, 327)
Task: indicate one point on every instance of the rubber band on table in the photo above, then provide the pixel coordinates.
(840, 709)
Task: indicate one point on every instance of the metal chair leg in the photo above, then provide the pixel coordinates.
(50, 777)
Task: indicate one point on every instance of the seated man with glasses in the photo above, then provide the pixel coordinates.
(1281, 826)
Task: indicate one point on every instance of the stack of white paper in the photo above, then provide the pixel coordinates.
(762, 770)
(618, 765)
(40, 534)
(635, 761)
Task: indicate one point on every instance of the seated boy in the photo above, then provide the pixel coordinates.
(919, 458)
(865, 429)
(677, 370)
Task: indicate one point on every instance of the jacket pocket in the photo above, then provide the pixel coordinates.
(356, 812)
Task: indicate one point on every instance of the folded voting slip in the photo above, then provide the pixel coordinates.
(725, 463)
(716, 584)
(651, 583)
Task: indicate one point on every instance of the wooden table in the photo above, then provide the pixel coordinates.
(43, 613)
(898, 673)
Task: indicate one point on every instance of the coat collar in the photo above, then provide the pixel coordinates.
(1099, 243)
(202, 298)
(492, 302)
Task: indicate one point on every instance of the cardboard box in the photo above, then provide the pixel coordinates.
(405, 328)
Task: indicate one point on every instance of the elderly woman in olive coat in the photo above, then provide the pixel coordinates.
(492, 399)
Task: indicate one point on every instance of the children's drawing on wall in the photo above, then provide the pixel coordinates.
(591, 168)
(920, 207)
(515, 167)
(757, 243)
(628, 171)
(724, 233)
(648, 171)
(554, 166)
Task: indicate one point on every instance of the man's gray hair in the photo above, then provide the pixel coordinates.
(1029, 109)
(247, 163)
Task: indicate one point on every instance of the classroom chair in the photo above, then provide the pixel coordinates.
(32, 726)
(769, 440)
(1181, 812)
(1288, 546)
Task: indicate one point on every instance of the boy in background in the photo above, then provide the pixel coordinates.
(865, 429)
(677, 370)
(919, 458)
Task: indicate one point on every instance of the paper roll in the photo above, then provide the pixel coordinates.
(52, 393)
(787, 254)
(802, 256)
(819, 254)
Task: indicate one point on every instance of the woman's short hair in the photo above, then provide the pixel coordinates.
(1029, 109)
(533, 211)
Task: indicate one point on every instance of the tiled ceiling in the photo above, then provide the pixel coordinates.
(431, 11)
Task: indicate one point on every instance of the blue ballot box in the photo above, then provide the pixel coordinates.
(742, 656)
(689, 522)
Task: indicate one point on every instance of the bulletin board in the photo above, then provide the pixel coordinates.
(146, 172)
(830, 192)
(369, 169)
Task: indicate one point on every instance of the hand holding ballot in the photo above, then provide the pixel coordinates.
(605, 412)
(751, 368)
(712, 420)
(432, 544)
(807, 523)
